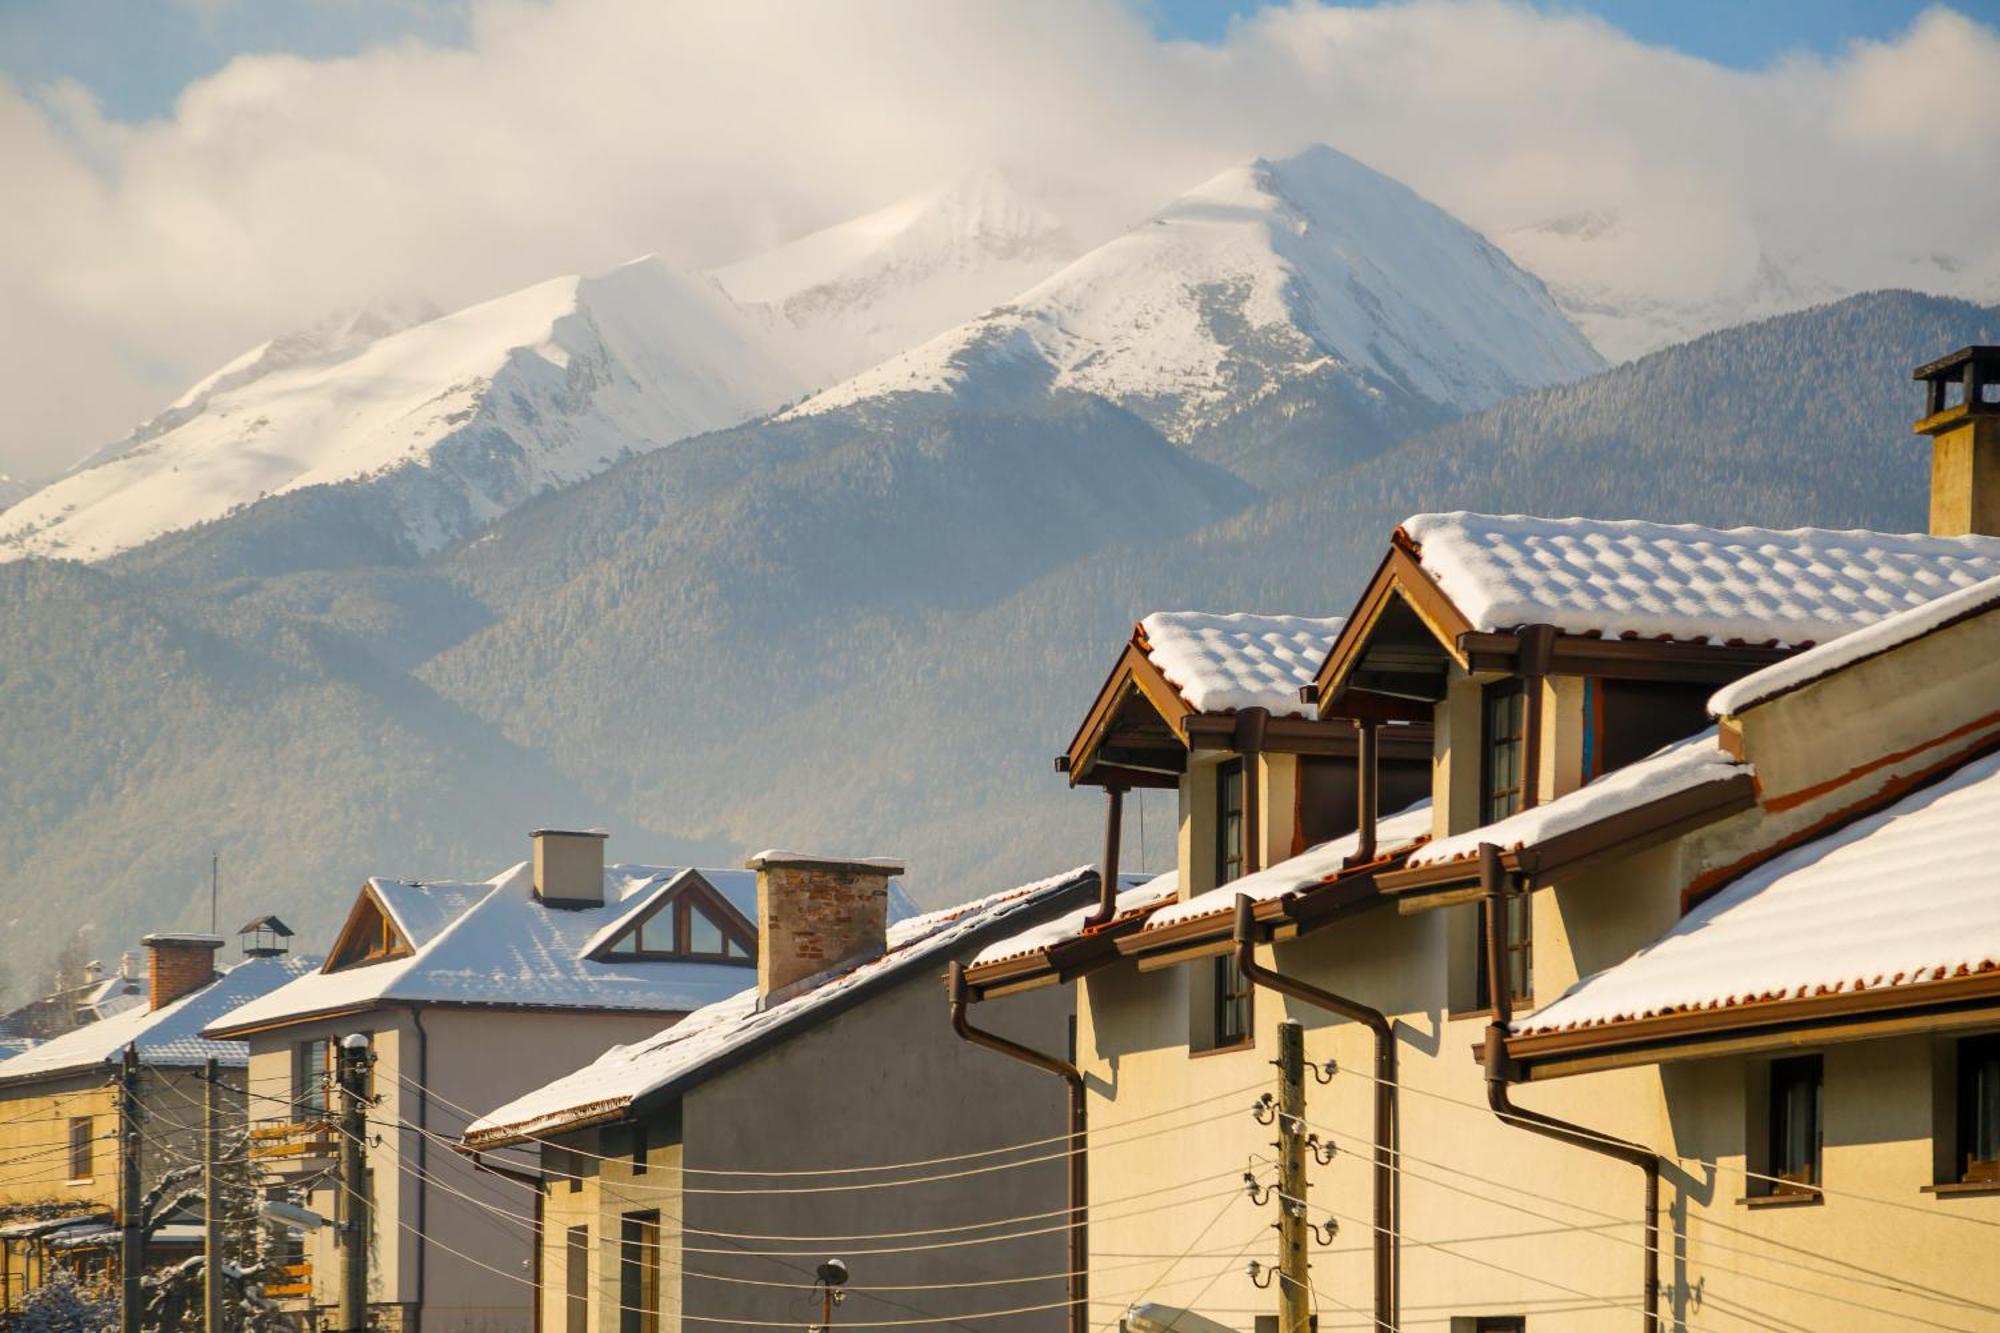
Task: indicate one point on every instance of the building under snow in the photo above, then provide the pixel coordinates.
(1674, 1002)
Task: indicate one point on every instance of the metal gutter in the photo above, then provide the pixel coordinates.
(1385, 1242)
(1500, 1075)
(1079, 1167)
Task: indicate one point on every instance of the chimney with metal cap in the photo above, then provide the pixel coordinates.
(569, 866)
(1962, 418)
(179, 965)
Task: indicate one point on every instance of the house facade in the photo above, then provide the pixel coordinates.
(60, 1115)
(470, 994)
(1672, 1009)
(699, 1179)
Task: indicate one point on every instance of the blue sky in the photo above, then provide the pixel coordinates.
(136, 55)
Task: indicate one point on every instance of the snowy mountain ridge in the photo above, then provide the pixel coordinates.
(855, 293)
(460, 417)
(1268, 274)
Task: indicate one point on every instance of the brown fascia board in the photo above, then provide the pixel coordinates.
(1767, 1023)
(1282, 735)
(1293, 914)
(1625, 833)
(1624, 659)
(1063, 961)
(1399, 575)
(1133, 672)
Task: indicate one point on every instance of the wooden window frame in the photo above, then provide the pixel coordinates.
(1785, 1075)
(312, 1089)
(1232, 996)
(680, 906)
(639, 1272)
(82, 1150)
(1518, 946)
(1229, 852)
(1513, 690)
(1976, 1054)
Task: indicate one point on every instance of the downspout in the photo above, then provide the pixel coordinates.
(1499, 1076)
(1367, 787)
(1250, 724)
(1107, 883)
(1385, 1095)
(1079, 1175)
(1537, 651)
(423, 1146)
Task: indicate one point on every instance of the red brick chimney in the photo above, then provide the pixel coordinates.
(815, 913)
(179, 965)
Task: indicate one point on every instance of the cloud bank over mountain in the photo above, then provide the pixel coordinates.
(1655, 193)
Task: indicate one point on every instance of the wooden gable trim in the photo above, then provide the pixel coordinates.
(1398, 576)
(693, 887)
(1132, 674)
(1622, 659)
(367, 904)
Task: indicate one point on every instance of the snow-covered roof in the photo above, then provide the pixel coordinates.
(1675, 768)
(1137, 894)
(496, 944)
(1310, 868)
(1858, 645)
(165, 1036)
(1680, 581)
(709, 1038)
(1898, 898)
(1224, 663)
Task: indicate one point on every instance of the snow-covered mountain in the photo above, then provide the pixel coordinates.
(457, 418)
(855, 293)
(1308, 271)
(13, 490)
(1605, 271)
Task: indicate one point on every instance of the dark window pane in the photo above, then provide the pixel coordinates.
(576, 1280)
(1795, 1122)
(1979, 1108)
(1228, 821)
(81, 1148)
(704, 936)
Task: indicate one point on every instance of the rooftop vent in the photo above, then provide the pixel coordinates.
(266, 937)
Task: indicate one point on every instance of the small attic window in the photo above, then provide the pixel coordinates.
(368, 937)
(692, 923)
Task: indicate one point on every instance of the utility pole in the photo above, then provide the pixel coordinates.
(132, 1240)
(211, 1220)
(355, 1058)
(1294, 1283)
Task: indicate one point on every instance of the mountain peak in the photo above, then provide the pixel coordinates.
(1271, 273)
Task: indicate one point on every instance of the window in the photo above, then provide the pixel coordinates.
(82, 1142)
(1220, 1004)
(1795, 1126)
(1232, 1002)
(639, 1273)
(312, 1078)
(1518, 945)
(1978, 1155)
(1502, 773)
(576, 1280)
(694, 922)
(639, 1147)
(368, 937)
(1228, 821)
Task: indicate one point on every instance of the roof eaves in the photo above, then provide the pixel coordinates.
(806, 1017)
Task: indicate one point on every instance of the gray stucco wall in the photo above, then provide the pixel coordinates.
(886, 1082)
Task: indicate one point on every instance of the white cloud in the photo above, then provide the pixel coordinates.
(574, 134)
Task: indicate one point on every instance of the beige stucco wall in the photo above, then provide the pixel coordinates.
(477, 1265)
(1497, 1220)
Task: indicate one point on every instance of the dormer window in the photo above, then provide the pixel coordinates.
(1502, 777)
(370, 936)
(692, 922)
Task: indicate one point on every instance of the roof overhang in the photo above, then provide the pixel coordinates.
(1619, 835)
(1139, 731)
(1953, 1004)
(1406, 634)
